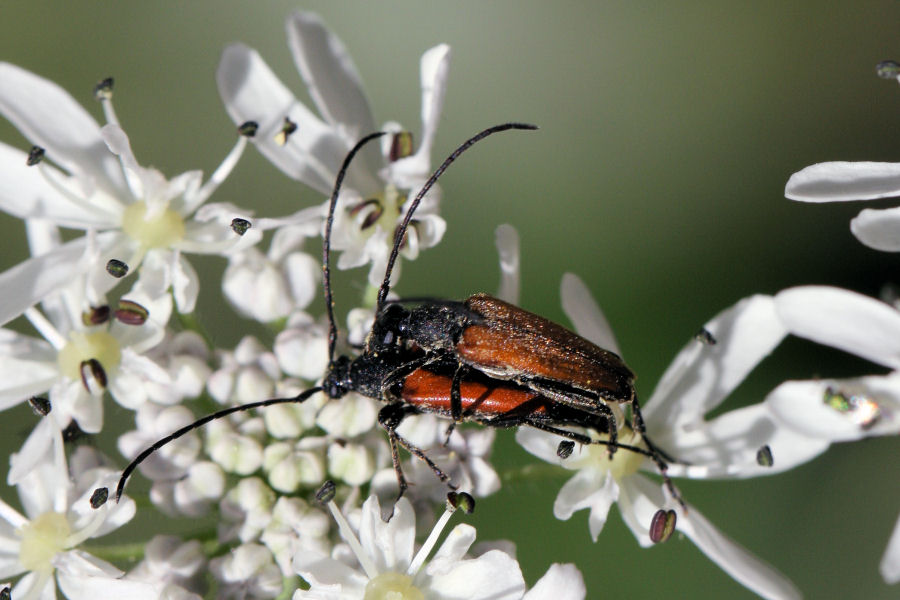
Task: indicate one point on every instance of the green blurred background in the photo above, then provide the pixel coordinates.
(668, 131)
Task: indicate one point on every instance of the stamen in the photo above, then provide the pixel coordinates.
(96, 315)
(347, 533)
(116, 268)
(45, 328)
(35, 155)
(98, 517)
(131, 313)
(288, 128)
(103, 93)
(662, 526)
(430, 541)
(219, 175)
(98, 204)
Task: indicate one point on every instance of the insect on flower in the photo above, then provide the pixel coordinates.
(482, 361)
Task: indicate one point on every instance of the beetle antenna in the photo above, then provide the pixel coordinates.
(326, 244)
(400, 233)
(302, 397)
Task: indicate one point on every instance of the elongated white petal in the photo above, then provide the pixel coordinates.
(252, 92)
(28, 367)
(744, 567)
(49, 117)
(333, 82)
(842, 181)
(560, 582)
(890, 562)
(844, 320)
(859, 408)
(585, 314)
(727, 446)
(702, 375)
(878, 229)
(391, 544)
(492, 576)
(506, 238)
(26, 283)
(434, 68)
(27, 194)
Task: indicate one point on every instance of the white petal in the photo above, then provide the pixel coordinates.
(560, 582)
(28, 282)
(28, 367)
(492, 576)
(434, 67)
(507, 240)
(874, 409)
(748, 570)
(890, 562)
(727, 446)
(333, 83)
(589, 488)
(390, 545)
(878, 229)
(844, 320)
(185, 284)
(841, 181)
(585, 313)
(49, 117)
(26, 194)
(703, 375)
(33, 452)
(252, 92)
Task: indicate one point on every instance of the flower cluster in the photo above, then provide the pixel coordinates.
(107, 297)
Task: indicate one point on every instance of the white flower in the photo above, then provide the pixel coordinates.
(378, 184)
(389, 567)
(143, 219)
(843, 410)
(698, 380)
(58, 518)
(248, 571)
(174, 564)
(77, 361)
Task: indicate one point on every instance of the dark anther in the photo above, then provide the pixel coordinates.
(35, 155)
(103, 90)
(704, 336)
(461, 501)
(116, 268)
(131, 313)
(92, 373)
(40, 406)
(401, 145)
(888, 69)
(96, 315)
(240, 226)
(99, 497)
(248, 128)
(289, 127)
(72, 432)
(565, 449)
(325, 494)
(5, 594)
(662, 526)
(764, 456)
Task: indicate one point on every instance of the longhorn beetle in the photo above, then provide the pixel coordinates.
(483, 361)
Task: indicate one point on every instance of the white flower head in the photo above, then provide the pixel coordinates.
(390, 567)
(698, 380)
(379, 183)
(132, 214)
(43, 543)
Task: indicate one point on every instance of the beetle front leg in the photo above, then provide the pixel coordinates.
(455, 402)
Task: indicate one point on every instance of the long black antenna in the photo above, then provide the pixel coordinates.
(326, 244)
(304, 396)
(401, 231)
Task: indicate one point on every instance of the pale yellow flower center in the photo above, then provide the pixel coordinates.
(159, 231)
(42, 539)
(83, 346)
(623, 463)
(392, 586)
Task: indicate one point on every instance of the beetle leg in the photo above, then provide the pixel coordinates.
(581, 438)
(390, 417)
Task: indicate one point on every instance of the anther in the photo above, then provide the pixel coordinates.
(888, 69)
(99, 497)
(131, 313)
(93, 377)
(461, 501)
(103, 90)
(40, 406)
(764, 456)
(117, 268)
(289, 127)
(240, 226)
(662, 526)
(248, 128)
(704, 336)
(96, 315)
(35, 156)
(401, 146)
(565, 449)
(325, 494)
